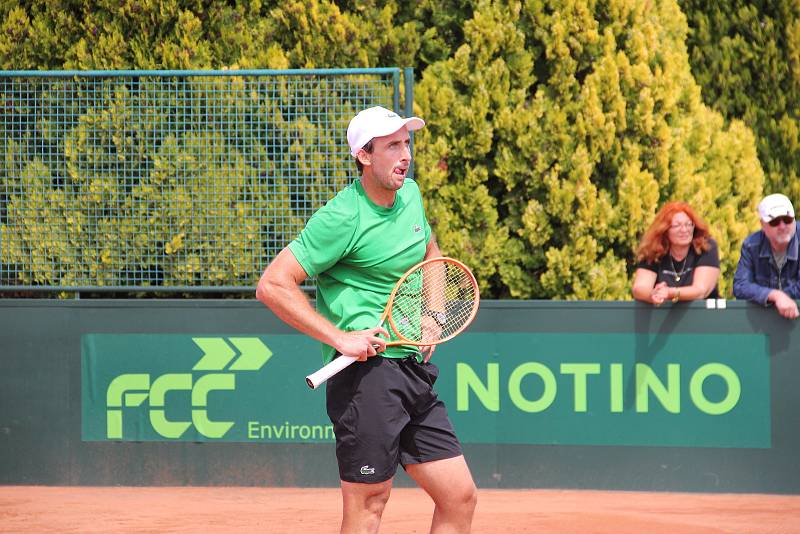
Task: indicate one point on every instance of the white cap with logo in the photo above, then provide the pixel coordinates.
(377, 122)
(776, 205)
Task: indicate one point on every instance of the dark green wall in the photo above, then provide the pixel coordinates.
(40, 401)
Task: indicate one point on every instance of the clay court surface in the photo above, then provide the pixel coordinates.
(290, 510)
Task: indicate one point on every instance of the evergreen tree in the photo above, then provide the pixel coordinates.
(557, 130)
(746, 57)
(155, 191)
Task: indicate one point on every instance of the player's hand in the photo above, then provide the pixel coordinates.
(427, 352)
(362, 344)
(430, 330)
(785, 304)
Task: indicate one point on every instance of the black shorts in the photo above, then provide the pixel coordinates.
(384, 413)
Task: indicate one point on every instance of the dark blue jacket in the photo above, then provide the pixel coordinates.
(756, 274)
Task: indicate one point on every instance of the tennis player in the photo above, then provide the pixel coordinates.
(384, 410)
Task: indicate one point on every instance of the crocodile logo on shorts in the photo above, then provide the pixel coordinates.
(367, 470)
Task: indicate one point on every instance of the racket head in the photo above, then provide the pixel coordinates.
(442, 290)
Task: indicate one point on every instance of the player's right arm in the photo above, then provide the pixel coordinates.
(279, 289)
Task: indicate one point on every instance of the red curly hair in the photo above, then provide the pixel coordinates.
(655, 242)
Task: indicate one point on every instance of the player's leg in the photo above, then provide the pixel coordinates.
(367, 421)
(450, 485)
(431, 454)
(362, 506)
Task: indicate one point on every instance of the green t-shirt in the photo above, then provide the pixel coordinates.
(358, 251)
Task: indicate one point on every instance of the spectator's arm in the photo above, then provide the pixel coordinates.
(704, 281)
(644, 281)
(785, 304)
(793, 289)
(744, 286)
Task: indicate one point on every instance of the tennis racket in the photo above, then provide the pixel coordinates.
(433, 302)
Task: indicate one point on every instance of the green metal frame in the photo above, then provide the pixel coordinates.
(165, 181)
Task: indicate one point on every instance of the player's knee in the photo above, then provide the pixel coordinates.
(376, 502)
(463, 499)
(470, 498)
(371, 499)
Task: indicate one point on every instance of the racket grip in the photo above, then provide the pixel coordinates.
(314, 380)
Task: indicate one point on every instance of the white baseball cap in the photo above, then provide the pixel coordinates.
(776, 205)
(377, 122)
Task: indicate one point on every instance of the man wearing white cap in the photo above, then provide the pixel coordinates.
(767, 272)
(384, 410)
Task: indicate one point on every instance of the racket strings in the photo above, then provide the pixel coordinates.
(434, 303)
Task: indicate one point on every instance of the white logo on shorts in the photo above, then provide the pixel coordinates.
(367, 470)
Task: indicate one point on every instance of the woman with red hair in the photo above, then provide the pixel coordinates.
(677, 258)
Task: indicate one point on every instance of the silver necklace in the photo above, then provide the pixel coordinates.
(675, 272)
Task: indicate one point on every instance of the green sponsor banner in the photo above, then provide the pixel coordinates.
(138, 387)
(692, 390)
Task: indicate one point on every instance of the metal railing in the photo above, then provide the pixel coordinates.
(170, 180)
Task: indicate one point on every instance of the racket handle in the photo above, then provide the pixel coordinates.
(314, 380)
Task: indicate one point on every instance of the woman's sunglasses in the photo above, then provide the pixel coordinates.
(785, 219)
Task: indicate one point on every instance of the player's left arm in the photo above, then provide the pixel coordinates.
(432, 250)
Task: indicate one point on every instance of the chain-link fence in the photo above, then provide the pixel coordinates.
(170, 180)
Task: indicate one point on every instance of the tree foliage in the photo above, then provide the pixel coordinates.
(140, 189)
(556, 128)
(746, 56)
